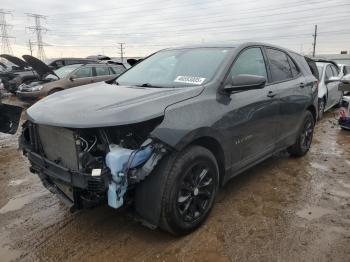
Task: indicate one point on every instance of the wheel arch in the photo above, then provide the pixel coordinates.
(216, 149)
(313, 111)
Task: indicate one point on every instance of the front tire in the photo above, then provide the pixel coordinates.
(303, 143)
(190, 189)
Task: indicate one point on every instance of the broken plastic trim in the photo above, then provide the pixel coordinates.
(122, 162)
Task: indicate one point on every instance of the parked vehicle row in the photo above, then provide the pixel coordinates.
(31, 79)
(52, 81)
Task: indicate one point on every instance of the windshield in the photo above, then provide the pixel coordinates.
(176, 68)
(65, 70)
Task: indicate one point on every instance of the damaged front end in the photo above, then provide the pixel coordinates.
(92, 166)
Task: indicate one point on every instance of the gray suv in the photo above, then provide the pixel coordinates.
(166, 134)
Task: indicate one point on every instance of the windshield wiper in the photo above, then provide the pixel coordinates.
(149, 85)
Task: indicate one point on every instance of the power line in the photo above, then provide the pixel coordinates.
(39, 30)
(207, 18)
(222, 30)
(5, 38)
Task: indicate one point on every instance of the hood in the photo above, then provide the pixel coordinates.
(15, 60)
(39, 66)
(102, 104)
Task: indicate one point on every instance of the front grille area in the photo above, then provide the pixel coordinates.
(59, 145)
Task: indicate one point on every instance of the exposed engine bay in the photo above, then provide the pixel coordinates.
(92, 166)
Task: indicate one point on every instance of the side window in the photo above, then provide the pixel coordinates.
(72, 62)
(251, 62)
(59, 63)
(117, 69)
(279, 65)
(329, 72)
(83, 72)
(294, 68)
(102, 70)
(335, 70)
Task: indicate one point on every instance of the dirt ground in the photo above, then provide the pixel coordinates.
(285, 209)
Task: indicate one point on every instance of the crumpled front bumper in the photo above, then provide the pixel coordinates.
(86, 190)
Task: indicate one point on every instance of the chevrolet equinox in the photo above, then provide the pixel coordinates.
(166, 134)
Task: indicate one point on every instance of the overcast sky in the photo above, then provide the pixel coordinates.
(84, 27)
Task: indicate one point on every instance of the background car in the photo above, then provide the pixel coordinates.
(328, 88)
(58, 63)
(343, 70)
(64, 77)
(15, 73)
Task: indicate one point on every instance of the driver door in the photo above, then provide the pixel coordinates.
(253, 113)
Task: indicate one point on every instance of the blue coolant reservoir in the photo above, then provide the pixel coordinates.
(117, 160)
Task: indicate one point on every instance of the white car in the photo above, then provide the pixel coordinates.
(328, 93)
(343, 70)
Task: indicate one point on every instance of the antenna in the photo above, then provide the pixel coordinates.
(39, 30)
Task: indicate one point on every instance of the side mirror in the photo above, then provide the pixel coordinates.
(72, 77)
(245, 82)
(332, 79)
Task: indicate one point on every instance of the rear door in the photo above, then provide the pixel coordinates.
(336, 94)
(81, 76)
(293, 94)
(102, 73)
(332, 87)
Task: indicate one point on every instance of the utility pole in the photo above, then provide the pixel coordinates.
(5, 38)
(39, 30)
(314, 43)
(30, 46)
(122, 52)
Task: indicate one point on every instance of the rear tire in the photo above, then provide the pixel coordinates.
(189, 191)
(304, 139)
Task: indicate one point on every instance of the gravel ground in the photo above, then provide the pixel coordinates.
(285, 209)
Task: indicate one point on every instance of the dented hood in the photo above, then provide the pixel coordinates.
(102, 104)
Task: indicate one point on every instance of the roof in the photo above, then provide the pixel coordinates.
(232, 45)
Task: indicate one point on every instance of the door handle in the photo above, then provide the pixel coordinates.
(301, 85)
(271, 94)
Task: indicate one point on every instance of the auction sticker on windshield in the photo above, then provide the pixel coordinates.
(195, 80)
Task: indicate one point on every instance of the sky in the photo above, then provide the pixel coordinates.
(87, 27)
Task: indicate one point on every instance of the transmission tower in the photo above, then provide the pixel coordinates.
(39, 31)
(5, 38)
(121, 52)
